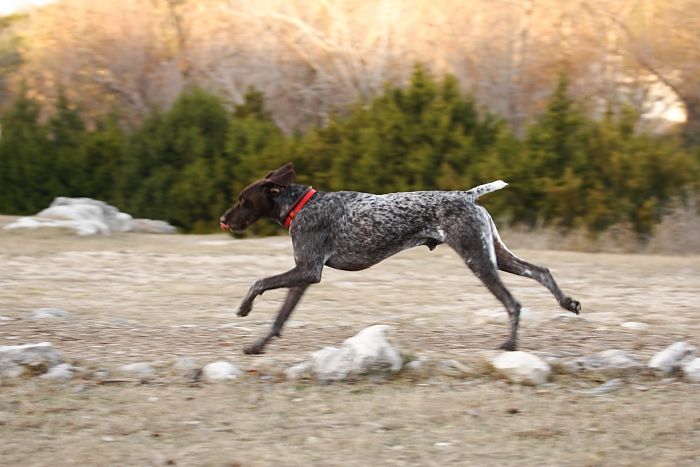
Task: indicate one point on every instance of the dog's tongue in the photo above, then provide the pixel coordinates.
(223, 226)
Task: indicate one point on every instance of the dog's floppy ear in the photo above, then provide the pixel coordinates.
(282, 176)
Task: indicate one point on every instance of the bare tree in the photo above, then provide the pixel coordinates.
(313, 58)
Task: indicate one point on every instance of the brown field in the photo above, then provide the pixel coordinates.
(150, 298)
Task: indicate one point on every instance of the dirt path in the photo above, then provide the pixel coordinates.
(154, 298)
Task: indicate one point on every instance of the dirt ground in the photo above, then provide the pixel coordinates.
(147, 298)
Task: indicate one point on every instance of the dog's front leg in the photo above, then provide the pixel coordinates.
(301, 275)
(293, 297)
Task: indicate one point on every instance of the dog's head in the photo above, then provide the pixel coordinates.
(257, 200)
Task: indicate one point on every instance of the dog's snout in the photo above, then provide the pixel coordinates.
(222, 223)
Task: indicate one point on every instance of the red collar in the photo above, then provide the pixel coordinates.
(305, 197)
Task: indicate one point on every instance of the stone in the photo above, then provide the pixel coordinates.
(452, 368)
(366, 352)
(691, 370)
(220, 371)
(62, 371)
(86, 216)
(16, 360)
(612, 362)
(671, 358)
(140, 370)
(608, 386)
(152, 226)
(522, 367)
(186, 367)
(299, 371)
(48, 313)
(636, 326)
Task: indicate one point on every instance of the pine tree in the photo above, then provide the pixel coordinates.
(27, 182)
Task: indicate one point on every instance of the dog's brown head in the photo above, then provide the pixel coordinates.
(257, 200)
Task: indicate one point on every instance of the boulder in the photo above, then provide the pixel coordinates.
(86, 216)
(691, 370)
(152, 226)
(367, 352)
(220, 371)
(671, 358)
(16, 360)
(522, 367)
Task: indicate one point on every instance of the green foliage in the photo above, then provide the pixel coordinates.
(427, 136)
(187, 164)
(26, 178)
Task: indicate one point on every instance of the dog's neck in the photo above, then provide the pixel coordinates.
(285, 201)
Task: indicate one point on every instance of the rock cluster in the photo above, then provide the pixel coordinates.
(371, 354)
(86, 216)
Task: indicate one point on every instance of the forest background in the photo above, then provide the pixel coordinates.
(167, 108)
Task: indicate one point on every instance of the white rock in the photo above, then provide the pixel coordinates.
(691, 370)
(522, 367)
(366, 352)
(604, 388)
(634, 325)
(48, 313)
(87, 209)
(452, 368)
(141, 370)
(415, 365)
(613, 362)
(671, 358)
(299, 371)
(86, 216)
(186, 367)
(15, 359)
(220, 371)
(10, 370)
(152, 226)
(62, 371)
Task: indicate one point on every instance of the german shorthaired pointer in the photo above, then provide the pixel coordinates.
(352, 231)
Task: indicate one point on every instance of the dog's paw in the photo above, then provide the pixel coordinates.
(572, 305)
(254, 349)
(508, 345)
(244, 309)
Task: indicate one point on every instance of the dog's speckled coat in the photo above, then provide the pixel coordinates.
(352, 231)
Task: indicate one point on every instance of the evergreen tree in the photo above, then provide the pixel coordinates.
(66, 132)
(28, 184)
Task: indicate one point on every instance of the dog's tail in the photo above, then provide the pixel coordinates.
(481, 190)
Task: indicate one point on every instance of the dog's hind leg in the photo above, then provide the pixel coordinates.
(293, 297)
(477, 252)
(508, 262)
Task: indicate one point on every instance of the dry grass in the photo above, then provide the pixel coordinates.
(151, 298)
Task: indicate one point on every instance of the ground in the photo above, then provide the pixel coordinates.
(137, 297)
